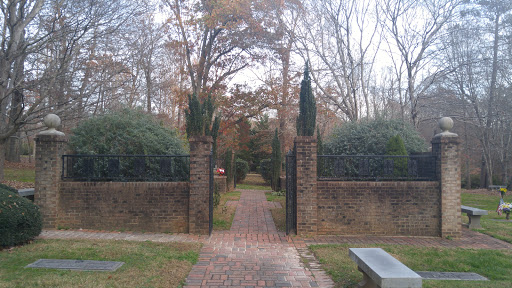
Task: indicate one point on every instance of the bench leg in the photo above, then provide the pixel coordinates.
(367, 281)
(474, 222)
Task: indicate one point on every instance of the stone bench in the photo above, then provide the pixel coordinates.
(382, 270)
(474, 216)
(496, 187)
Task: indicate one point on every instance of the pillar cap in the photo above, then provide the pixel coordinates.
(445, 124)
(51, 121)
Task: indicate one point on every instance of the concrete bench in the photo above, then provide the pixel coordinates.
(26, 192)
(474, 216)
(382, 270)
(496, 187)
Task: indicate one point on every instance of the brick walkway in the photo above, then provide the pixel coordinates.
(254, 254)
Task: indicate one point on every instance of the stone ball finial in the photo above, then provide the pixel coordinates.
(51, 121)
(446, 124)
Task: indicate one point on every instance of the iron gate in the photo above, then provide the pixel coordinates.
(291, 193)
(210, 210)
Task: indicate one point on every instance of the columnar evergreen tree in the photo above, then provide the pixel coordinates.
(228, 165)
(276, 162)
(306, 121)
(396, 147)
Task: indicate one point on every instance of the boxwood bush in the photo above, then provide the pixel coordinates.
(242, 168)
(266, 170)
(20, 219)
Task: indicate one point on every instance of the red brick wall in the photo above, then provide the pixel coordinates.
(135, 206)
(49, 149)
(220, 183)
(379, 208)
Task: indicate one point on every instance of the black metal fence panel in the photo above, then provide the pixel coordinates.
(291, 193)
(376, 168)
(126, 168)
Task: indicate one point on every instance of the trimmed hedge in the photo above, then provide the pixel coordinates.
(20, 219)
(242, 168)
(266, 169)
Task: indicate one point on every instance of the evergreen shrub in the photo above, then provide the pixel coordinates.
(396, 147)
(242, 168)
(266, 170)
(20, 219)
(369, 137)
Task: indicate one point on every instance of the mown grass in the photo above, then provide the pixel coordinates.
(253, 182)
(278, 214)
(252, 187)
(147, 264)
(20, 174)
(496, 229)
(496, 265)
(223, 214)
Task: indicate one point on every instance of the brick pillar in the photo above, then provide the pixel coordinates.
(199, 201)
(445, 146)
(307, 207)
(50, 146)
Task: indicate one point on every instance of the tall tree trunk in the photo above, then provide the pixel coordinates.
(2, 160)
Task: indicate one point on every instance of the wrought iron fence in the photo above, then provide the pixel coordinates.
(377, 167)
(126, 168)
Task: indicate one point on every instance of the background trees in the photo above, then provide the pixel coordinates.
(384, 59)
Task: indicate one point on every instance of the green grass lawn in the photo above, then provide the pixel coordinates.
(496, 265)
(278, 214)
(253, 182)
(147, 264)
(20, 174)
(252, 187)
(496, 229)
(223, 215)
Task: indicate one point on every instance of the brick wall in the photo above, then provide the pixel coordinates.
(49, 149)
(448, 168)
(221, 183)
(305, 147)
(135, 206)
(379, 208)
(200, 150)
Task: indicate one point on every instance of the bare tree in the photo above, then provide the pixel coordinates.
(341, 40)
(415, 27)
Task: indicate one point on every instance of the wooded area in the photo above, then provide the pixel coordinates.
(415, 60)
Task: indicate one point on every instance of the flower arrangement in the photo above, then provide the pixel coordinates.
(503, 191)
(221, 171)
(504, 208)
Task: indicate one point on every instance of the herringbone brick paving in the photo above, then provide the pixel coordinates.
(254, 254)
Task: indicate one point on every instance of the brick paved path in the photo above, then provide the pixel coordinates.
(252, 253)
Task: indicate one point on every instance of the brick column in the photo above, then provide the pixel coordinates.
(307, 206)
(50, 146)
(445, 146)
(199, 206)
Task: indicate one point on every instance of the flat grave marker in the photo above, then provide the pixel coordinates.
(79, 265)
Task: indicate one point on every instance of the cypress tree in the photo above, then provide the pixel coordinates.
(276, 162)
(319, 151)
(228, 165)
(306, 121)
(395, 146)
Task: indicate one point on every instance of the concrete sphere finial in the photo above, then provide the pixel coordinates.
(446, 124)
(51, 121)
